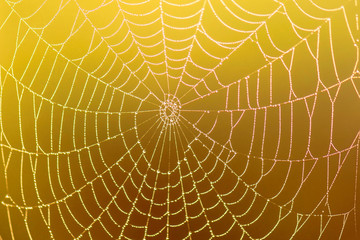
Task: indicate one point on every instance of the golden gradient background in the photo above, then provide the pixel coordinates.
(267, 141)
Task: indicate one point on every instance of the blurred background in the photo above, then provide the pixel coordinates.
(191, 119)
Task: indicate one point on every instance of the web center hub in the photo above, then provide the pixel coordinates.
(170, 110)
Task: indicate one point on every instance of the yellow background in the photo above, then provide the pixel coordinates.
(267, 140)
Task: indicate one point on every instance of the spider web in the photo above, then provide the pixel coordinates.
(179, 119)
